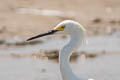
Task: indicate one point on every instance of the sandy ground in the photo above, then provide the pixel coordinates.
(97, 16)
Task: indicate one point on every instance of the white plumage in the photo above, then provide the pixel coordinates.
(77, 37)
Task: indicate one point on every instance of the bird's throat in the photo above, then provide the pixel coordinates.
(64, 57)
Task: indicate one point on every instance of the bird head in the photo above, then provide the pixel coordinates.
(65, 27)
(69, 27)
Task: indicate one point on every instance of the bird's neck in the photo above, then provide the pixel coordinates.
(65, 54)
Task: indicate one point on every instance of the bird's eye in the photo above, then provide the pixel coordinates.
(62, 27)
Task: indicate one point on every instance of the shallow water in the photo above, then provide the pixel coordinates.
(106, 43)
(106, 67)
(44, 12)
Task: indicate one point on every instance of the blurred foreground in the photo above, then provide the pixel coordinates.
(102, 68)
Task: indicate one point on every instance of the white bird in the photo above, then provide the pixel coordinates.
(77, 37)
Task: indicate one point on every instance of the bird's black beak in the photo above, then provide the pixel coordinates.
(44, 34)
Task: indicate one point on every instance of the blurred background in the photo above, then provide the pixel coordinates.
(38, 59)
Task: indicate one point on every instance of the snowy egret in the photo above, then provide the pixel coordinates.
(77, 37)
